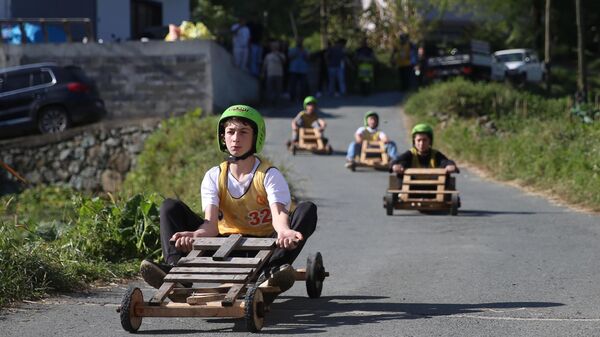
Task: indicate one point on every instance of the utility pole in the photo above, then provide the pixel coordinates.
(547, 57)
(581, 73)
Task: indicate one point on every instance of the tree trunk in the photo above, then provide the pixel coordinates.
(547, 57)
(581, 74)
(323, 14)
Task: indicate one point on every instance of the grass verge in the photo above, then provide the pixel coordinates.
(515, 136)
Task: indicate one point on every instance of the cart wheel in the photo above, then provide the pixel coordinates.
(329, 149)
(454, 205)
(388, 203)
(129, 321)
(315, 274)
(353, 167)
(294, 148)
(254, 309)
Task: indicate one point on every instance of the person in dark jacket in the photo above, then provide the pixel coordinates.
(422, 155)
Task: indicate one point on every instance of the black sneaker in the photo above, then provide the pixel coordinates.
(154, 273)
(282, 277)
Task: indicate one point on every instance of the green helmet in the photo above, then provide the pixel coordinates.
(369, 114)
(309, 100)
(250, 114)
(423, 128)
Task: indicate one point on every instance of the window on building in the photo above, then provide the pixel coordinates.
(145, 14)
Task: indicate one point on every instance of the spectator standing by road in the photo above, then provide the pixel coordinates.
(323, 76)
(401, 57)
(272, 71)
(365, 59)
(256, 50)
(241, 43)
(335, 67)
(298, 70)
(421, 66)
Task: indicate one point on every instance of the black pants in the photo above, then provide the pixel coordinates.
(176, 216)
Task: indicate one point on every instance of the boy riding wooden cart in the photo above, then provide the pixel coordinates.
(236, 290)
(246, 243)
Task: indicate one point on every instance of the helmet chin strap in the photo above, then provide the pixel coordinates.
(233, 159)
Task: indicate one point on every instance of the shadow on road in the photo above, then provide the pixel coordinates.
(468, 213)
(301, 315)
(479, 213)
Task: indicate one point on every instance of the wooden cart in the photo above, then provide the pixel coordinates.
(310, 139)
(235, 294)
(423, 190)
(372, 154)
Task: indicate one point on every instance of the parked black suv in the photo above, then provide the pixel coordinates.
(46, 97)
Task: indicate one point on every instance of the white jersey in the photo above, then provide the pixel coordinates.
(275, 185)
(360, 130)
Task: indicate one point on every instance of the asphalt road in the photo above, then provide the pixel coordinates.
(511, 264)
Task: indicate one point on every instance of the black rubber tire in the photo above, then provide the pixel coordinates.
(53, 119)
(328, 149)
(129, 321)
(315, 274)
(294, 148)
(254, 309)
(454, 205)
(388, 203)
(353, 167)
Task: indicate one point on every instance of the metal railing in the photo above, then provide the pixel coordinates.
(66, 23)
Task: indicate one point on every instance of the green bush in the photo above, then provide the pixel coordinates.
(542, 146)
(175, 159)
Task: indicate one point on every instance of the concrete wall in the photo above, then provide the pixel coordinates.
(156, 78)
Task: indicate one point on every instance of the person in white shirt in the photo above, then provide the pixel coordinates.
(369, 131)
(241, 43)
(243, 195)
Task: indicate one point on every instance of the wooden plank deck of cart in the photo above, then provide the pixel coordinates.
(373, 155)
(423, 189)
(311, 140)
(235, 293)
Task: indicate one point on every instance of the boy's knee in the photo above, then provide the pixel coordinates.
(170, 206)
(308, 208)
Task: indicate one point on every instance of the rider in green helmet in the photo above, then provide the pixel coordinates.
(244, 195)
(369, 131)
(307, 118)
(422, 155)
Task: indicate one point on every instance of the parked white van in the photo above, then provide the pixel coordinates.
(519, 65)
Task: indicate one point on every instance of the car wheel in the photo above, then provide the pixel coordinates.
(53, 119)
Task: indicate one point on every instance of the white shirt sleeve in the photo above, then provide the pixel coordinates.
(277, 188)
(381, 135)
(360, 130)
(209, 189)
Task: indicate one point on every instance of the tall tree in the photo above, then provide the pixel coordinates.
(581, 73)
(389, 19)
(547, 57)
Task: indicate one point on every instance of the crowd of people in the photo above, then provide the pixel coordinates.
(292, 72)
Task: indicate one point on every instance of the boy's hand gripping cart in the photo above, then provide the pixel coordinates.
(236, 294)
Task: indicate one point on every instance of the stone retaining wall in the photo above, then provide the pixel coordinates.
(91, 159)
